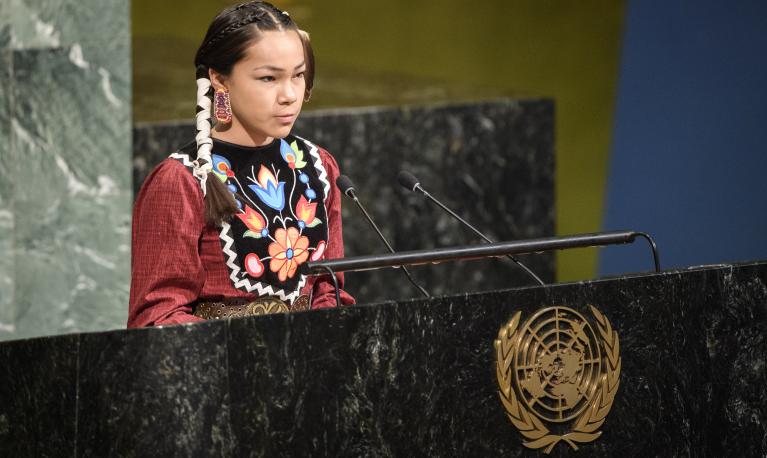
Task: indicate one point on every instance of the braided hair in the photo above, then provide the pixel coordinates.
(230, 34)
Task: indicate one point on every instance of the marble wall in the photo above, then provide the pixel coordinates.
(492, 162)
(65, 193)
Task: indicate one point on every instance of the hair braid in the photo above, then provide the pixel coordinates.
(204, 163)
(223, 33)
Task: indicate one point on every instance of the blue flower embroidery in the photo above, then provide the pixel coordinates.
(221, 167)
(292, 155)
(271, 192)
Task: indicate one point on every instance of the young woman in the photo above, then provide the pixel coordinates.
(222, 226)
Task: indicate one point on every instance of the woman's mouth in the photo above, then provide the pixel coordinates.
(286, 119)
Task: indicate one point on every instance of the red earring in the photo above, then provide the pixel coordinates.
(223, 106)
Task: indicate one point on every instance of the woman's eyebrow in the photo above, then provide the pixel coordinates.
(277, 69)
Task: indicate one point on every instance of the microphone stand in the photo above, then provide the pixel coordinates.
(350, 192)
(439, 255)
(454, 215)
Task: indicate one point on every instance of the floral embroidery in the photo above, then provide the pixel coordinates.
(253, 265)
(221, 167)
(319, 251)
(268, 189)
(255, 223)
(282, 218)
(292, 154)
(305, 211)
(288, 251)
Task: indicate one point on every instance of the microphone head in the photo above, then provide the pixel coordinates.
(407, 180)
(345, 184)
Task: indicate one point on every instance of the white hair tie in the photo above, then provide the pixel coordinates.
(204, 162)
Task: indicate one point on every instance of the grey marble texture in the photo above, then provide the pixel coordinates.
(492, 162)
(65, 174)
(410, 378)
(7, 324)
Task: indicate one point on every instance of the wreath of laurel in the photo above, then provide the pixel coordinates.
(586, 426)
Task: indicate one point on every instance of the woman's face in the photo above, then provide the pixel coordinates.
(266, 88)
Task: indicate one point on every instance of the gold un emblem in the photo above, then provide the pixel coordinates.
(557, 372)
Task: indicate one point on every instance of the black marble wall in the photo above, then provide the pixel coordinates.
(415, 378)
(492, 162)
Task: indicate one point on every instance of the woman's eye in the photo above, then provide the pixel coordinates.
(266, 79)
(299, 75)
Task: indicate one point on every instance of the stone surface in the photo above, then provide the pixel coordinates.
(492, 162)
(414, 378)
(65, 178)
(7, 309)
(163, 410)
(38, 396)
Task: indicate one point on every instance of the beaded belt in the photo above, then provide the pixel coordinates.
(239, 308)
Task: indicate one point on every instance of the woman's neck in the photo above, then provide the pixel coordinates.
(239, 136)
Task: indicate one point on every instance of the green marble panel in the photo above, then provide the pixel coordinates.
(68, 121)
(7, 315)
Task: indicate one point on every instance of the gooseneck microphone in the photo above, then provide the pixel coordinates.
(411, 183)
(346, 186)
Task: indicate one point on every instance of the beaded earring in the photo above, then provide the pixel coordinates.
(223, 106)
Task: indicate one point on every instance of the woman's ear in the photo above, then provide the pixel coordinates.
(217, 79)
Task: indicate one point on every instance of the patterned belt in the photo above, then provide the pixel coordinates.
(239, 308)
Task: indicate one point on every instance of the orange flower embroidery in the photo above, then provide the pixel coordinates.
(288, 251)
(305, 212)
(253, 220)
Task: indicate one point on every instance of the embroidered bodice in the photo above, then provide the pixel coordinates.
(280, 189)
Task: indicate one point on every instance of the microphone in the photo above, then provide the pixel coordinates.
(346, 186)
(411, 183)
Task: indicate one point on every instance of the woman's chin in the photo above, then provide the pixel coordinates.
(281, 132)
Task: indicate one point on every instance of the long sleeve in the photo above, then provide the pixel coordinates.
(167, 273)
(323, 291)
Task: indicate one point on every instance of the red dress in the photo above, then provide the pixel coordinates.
(177, 260)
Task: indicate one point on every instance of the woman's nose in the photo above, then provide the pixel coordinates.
(287, 93)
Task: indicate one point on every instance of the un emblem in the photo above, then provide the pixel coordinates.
(558, 372)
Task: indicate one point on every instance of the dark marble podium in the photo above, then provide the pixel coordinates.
(411, 378)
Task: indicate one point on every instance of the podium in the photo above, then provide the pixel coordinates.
(410, 378)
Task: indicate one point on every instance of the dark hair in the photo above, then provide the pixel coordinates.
(230, 34)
